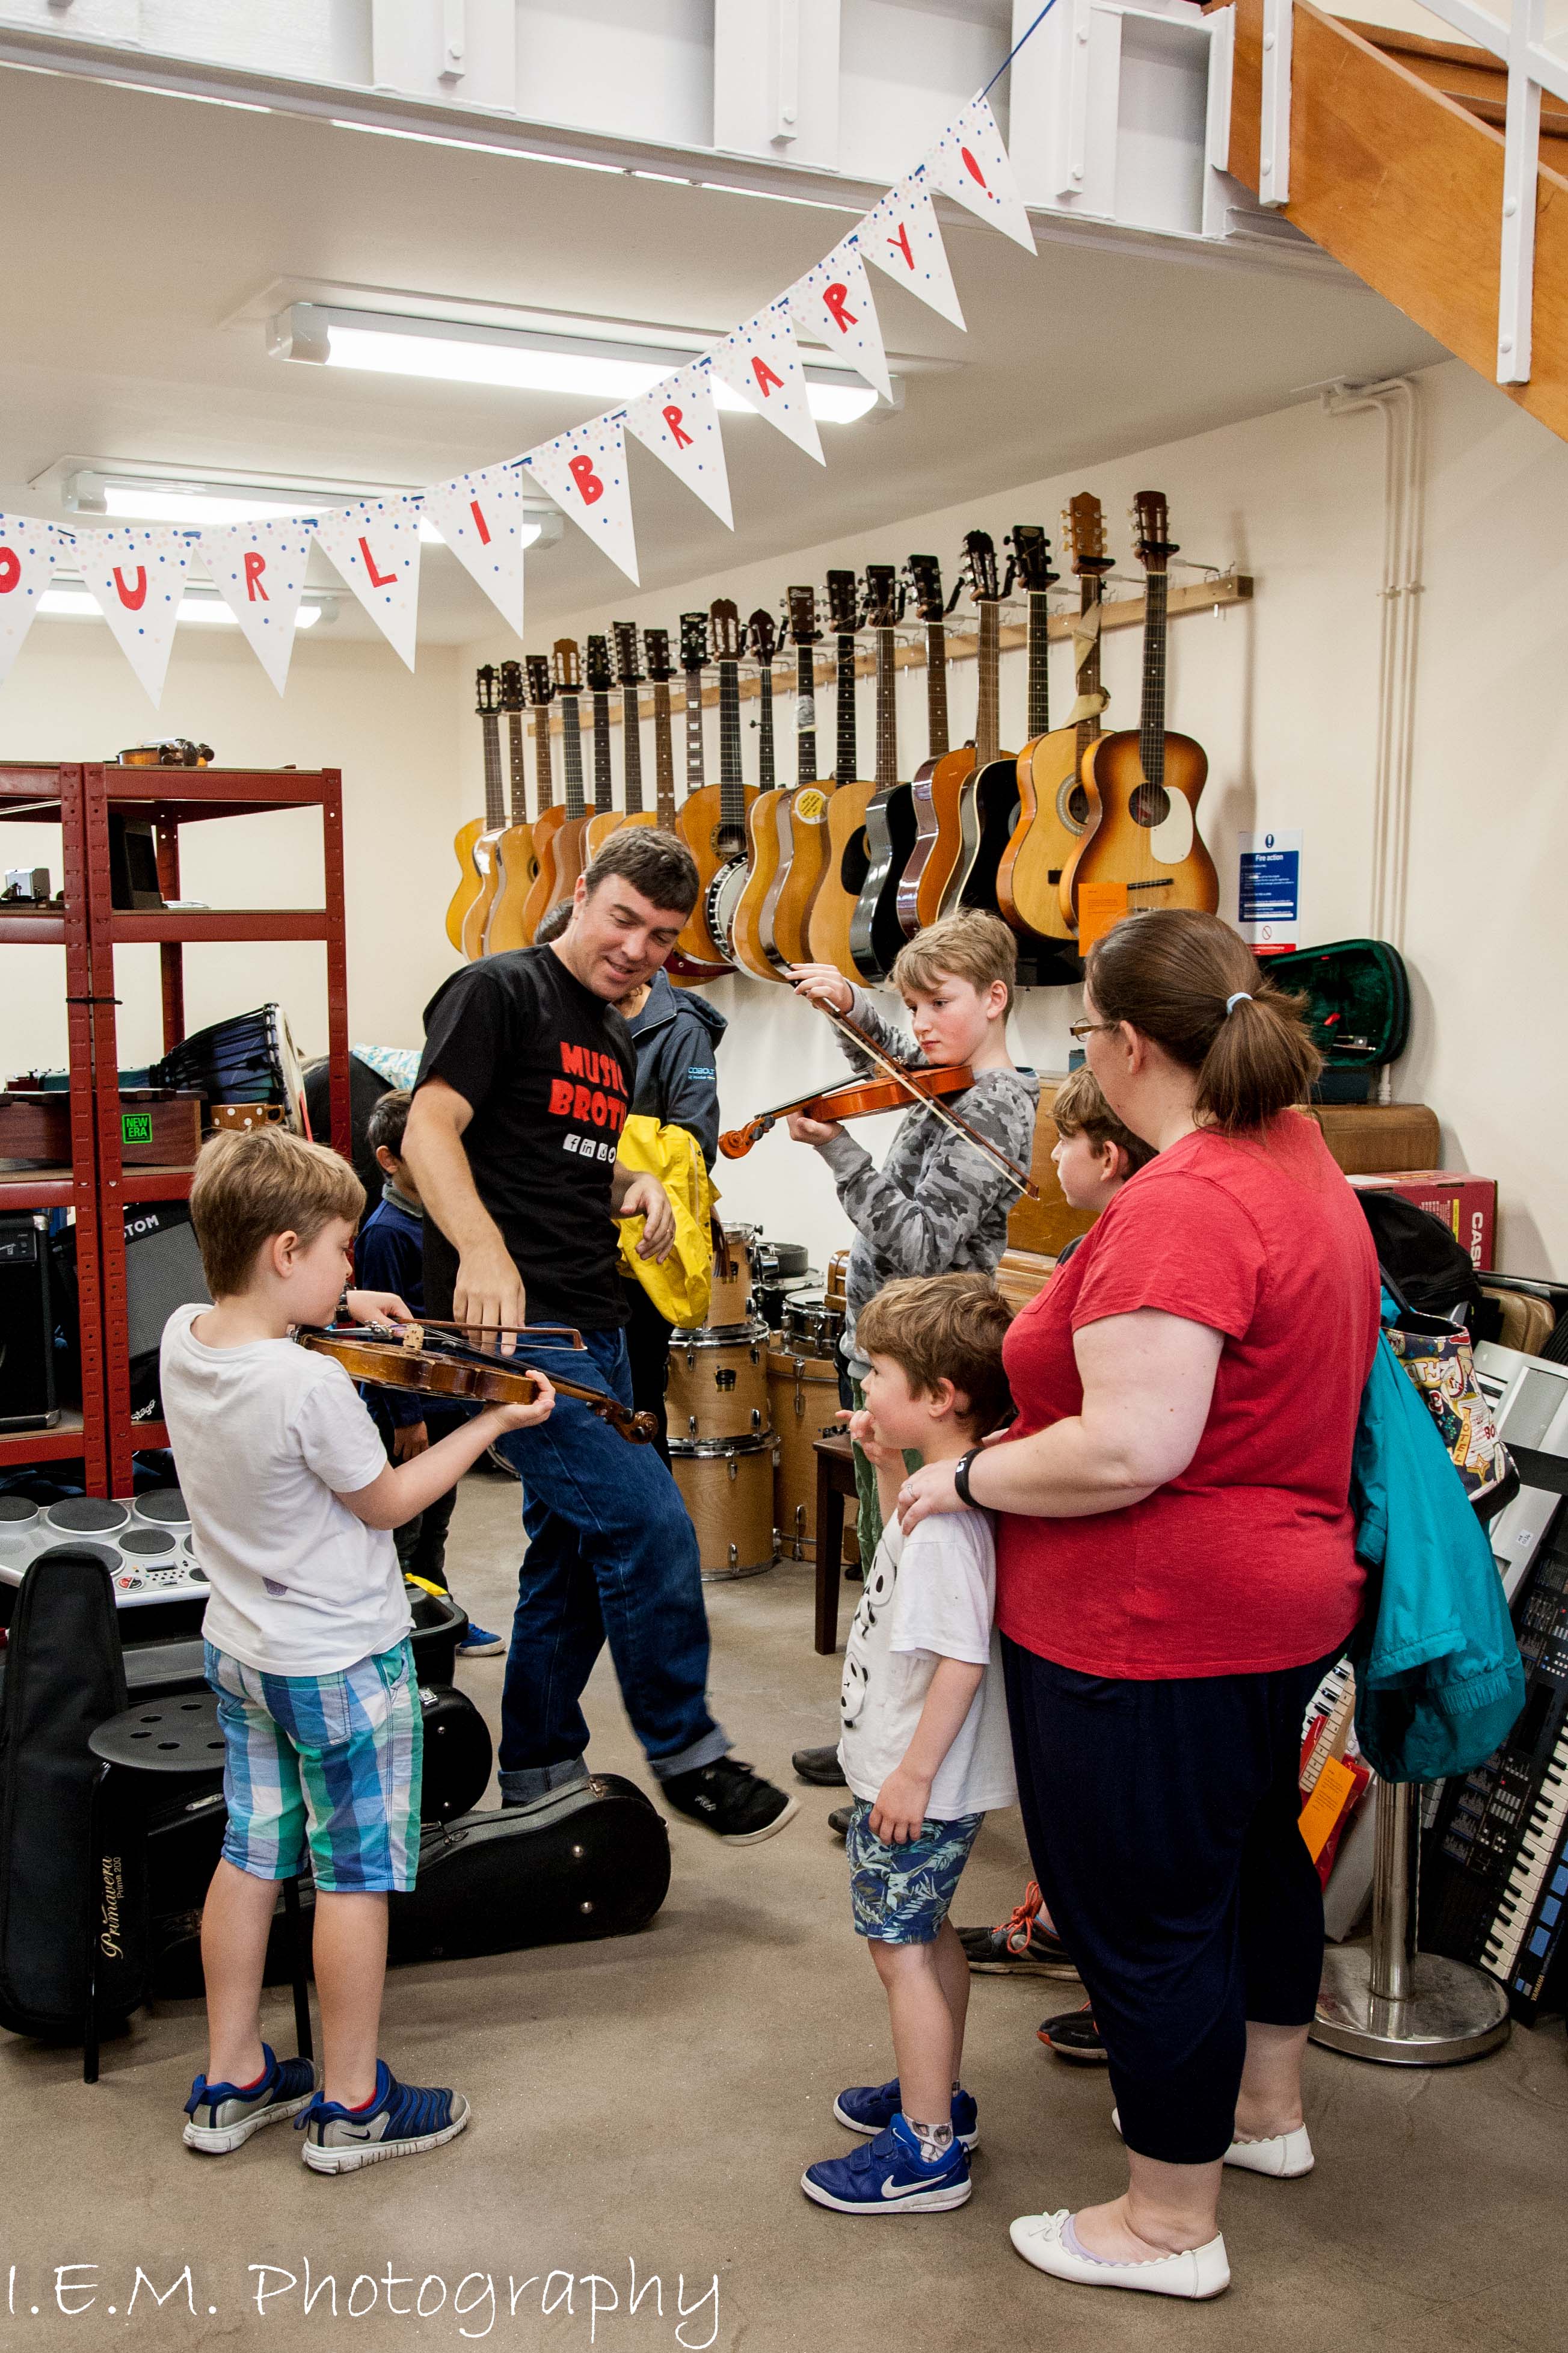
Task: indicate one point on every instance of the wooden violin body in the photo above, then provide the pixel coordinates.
(460, 1378)
(857, 1099)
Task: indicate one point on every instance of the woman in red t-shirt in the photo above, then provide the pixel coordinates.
(1175, 1567)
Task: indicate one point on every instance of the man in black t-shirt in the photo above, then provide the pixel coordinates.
(524, 1086)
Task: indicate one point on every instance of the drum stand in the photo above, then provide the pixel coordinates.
(1391, 2002)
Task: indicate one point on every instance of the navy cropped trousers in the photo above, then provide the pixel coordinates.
(1162, 1824)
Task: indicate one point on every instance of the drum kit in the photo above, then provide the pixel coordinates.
(746, 1394)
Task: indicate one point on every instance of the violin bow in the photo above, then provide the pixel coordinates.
(900, 1072)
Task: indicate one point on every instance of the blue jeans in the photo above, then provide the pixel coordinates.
(612, 1556)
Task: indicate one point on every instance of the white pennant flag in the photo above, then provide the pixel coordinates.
(375, 545)
(833, 302)
(761, 361)
(584, 471)
(679, 422)
(901, 235)
(479, 516)
(970, 165)
(28, 554)
(138, 577)
(259, 570)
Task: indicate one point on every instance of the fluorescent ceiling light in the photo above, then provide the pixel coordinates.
(208, 612)
(148, 499)
(477, 146)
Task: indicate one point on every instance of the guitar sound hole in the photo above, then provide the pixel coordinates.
(1077, 810)
(855, 863)
(1150, 806)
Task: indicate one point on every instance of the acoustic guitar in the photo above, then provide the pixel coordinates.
(753, 949)
(510, 925)
(475, 919)
(628, 677)
(1149, 780)
(848, 853)
(803, 814)
(1078, 802)
(931, 859)
(605, 818)
(988, 795)
(661, 670)
(558, 878)
(728, 877)
(695, 957)
(876, 934)
(470, 881)
(1028, 879)
(516, 864)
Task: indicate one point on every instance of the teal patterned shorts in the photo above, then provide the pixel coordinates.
(901, 1894)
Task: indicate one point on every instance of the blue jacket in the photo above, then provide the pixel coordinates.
(1438, 1677)
(676, 1035)
(390, 1256)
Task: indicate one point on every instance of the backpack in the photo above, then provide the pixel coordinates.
(1425, 1268)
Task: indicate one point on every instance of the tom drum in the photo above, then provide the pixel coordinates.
(802, 1398)
(716, 1385)
(728, 1491)
(734, 1279)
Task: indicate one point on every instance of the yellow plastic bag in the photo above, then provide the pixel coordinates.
(682, 1286)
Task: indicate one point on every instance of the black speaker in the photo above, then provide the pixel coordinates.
(163, 1272)
(26, 1326)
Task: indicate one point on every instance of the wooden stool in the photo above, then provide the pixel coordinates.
(835, 1481)
(173, 1735)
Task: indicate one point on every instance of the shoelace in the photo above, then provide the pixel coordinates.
(1017, 1931)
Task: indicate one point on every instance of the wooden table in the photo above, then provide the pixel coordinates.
(835, 1481)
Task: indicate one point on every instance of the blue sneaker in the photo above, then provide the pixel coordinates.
(400, 2121)
(888, 2175)
(479, 1642)
(871, 2107)
(223, 2115)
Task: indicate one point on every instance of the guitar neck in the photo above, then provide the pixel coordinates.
(495, 801)
(1039, 686)
(848, 757)
(1151, 719)
(987, 737)
(936, 690)
(664, 754)
(517, 767)
(887, 712)
(731, 781)
(631, 748)
(696, 763)
(1090, 591)
(572, 756)
(604, 786)
(766, 776)
(805, 716)
(543, 765)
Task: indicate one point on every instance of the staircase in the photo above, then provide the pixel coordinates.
(1397, 169)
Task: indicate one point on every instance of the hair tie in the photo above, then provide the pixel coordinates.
(1242, 996)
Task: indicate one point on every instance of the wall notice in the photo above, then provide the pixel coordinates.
(1269, 896)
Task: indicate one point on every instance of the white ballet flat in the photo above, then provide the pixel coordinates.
(1197, 2273)
(1285, 2157)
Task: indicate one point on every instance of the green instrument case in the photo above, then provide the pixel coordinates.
(1357, 994)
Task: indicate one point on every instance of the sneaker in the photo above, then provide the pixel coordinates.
(1075, 2037)
(888, 2176)
(479, 1642)
(731, 1800)
(400, 2121)
(1019, 1946)
(820, 1767)
(223, 2115)
(839, 1819)
(871, 2107)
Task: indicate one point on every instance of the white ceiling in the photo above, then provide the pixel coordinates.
(140, 227)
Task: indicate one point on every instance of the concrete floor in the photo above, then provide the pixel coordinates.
(653, 2100)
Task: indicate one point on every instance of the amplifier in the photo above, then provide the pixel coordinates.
(26, 1326)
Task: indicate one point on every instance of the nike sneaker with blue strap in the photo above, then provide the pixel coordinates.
(871, 2108)
(888, 2176)
(222, 2116)
(401, 2120)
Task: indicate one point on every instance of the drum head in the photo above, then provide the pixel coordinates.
(87, 1515)
(163, 1508)
(18, 1511)
(149, 1544)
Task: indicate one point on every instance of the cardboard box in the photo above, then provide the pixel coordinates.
(1467, 1205)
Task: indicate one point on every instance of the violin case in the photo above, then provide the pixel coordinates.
(1358, 1008)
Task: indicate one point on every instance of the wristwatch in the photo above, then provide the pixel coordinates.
(961, 1476)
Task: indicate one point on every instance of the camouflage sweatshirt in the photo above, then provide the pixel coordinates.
(937, 1205)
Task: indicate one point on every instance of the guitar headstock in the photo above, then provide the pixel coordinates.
(925, 578)
(843, 603)
(627, 665)
(693, 640)
(980, 567)
(486, 690)
(541, 685)
(762, 632)
(1032, 554)
(729, 639)
(600, 676)
(801, 606)
(1083, 527)
(656, 647)
(884, 596)
(511, 694)
(1152, 545)
(566, 665)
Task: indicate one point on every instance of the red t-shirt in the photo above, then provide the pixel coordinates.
(1246, 1562)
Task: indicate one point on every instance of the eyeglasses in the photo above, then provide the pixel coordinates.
(1082, 1028)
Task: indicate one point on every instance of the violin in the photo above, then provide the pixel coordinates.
(457, 1372)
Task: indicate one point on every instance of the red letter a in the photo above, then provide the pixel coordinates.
(765, 377)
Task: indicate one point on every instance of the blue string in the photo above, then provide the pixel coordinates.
(1017, 47)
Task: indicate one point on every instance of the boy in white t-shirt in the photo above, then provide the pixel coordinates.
(293, 1502)
(925, 1746)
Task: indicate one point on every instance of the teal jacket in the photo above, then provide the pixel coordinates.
(1438, 1677)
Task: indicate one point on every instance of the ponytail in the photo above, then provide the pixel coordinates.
(1188, 981)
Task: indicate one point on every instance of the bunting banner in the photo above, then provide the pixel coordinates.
(584, 472)
(761, 361)
(28, 554)
(137, 574)
(678, 421)
(901, 235)
(833, 302)
(970, 165)
(375, 547)
(259, 570)
(479, 516)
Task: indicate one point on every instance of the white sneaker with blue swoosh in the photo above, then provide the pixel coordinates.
(888, 2176)
(401, 2120)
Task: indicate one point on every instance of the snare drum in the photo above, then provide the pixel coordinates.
(732, 1304)
(812, 1325)
(716, 1385)
(728, 1491)
(802, 1397)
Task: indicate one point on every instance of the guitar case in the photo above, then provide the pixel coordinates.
(1358, 1009)
(63, 1678)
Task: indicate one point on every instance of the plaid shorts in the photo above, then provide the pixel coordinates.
(901, 1894)
(322, 1770)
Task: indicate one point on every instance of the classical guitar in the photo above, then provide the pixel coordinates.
(696, 956)
(728, 877)
(1147, 841)
(566, 863)
(519, 922)
(803, 813)
(1077, 803)
(471, 879)
(848, 856)
(1028, 879)
(931, 859)
(876, 934)
(753, 949)
(988, 795)
(628, 677)
(516, 864)
(661, 670)
(605, 816)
